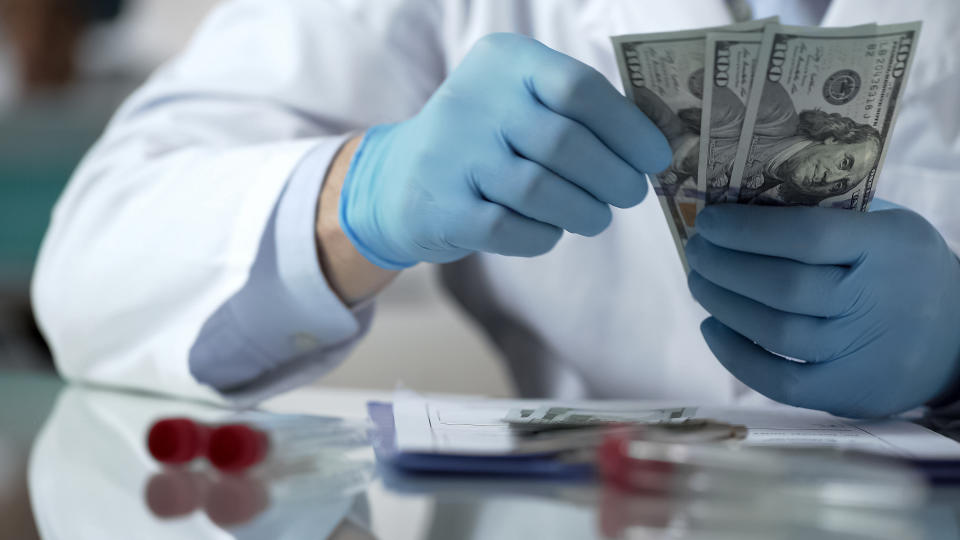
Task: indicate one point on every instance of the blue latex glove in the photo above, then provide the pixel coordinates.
(870, 301)
(520, 143)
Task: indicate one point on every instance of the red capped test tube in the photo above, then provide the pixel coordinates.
(237, 447)
(242, 445)
(177, 441)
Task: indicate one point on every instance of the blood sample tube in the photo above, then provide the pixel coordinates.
(237, 447)
(176, 441)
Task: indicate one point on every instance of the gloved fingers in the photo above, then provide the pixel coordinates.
(782, 284)
(572, 151)
(786, 381)
(812, 339)
(579, 92)
(807, 234)
(538, 193)
(492, 228)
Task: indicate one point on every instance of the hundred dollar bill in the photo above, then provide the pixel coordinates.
(517, 416)
(688, 431)
(663, 75)
(823, 106)
(731, 60)
(575, 416)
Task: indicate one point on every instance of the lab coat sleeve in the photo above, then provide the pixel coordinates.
(172, 218)
(286, 314)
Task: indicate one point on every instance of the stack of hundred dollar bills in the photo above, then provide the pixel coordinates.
(674, 424)
(761, 113)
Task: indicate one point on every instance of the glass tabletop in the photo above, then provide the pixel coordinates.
(74, 465)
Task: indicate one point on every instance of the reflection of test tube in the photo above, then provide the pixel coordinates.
(239, 446)
(631, 515)
(230, 500)
(617, 514)
(174, 493)
(175, 441)
(235, 499)
(746, 493)
(719, 470)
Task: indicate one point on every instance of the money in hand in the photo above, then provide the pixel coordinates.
(761, 113)
(817, 130)
(663, 74)
(731, 60)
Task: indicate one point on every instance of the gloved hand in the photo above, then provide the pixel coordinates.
(518, 144)
(871, 302)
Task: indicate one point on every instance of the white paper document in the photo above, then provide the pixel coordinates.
(476, 427)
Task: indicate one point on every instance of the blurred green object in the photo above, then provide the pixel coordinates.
(28, 190)
(34, 395)
(41, 143)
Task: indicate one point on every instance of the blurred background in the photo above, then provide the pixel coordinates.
(65, 66)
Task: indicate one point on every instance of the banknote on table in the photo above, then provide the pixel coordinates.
(578, 417)
(518, 416)
(820, 114)
(663, 75)
(688, 431)
(670, 425)
(476, 427)
(730, 64)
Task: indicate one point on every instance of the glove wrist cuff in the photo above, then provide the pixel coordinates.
(357, 191)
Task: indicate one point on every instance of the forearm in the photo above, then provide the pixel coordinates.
(184, 211)
(351, 276)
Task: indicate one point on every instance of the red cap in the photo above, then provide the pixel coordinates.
(177, 440)
(235, 447)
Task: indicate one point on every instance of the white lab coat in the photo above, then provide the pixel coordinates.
(162, 222)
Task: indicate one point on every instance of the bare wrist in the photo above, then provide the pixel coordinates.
(349, 273)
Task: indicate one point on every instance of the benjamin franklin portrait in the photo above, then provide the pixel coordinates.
(799, 158)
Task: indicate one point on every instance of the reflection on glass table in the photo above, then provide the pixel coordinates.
(91, 460)
(91, 476)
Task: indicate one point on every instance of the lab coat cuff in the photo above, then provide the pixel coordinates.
(322, 320)
(328, 321)
(286, 313)
(298, 371)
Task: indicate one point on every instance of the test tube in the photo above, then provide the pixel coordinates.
(177, 441)
(239, 446)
